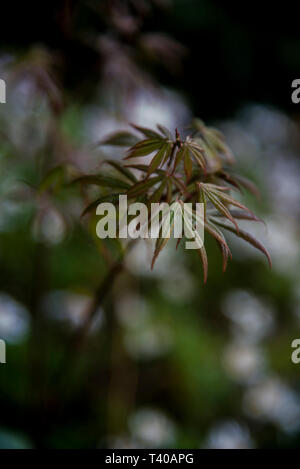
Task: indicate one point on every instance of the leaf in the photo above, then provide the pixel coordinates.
(156, 196)
(201, 197)
(203, 255)
(247, 237)
(214, 187)
(228, 178)
(220, 238)
(230, 200)
(197, 153)
(120, 139)
(143, 186)
(54, 177)
(188, 225)
(156, 160)
(218, 144)
(247, 184)
(180, 156)
(165, 131)
(169, 190)
(215, 233)
(218, 204)
(239, 215)
(144, 168)
(168, 152)
(225, 256)
(161, 242)
(103, 181)
(113, 198)
(122, 169)
(147, 132)
(188, 166)
(144, 148)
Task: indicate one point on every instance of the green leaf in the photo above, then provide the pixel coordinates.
(180, 155)
(157, 160)
(156, 196)
(113, 198)
(143, 186)
(165, 132)
(53, 178)
(144, 168)
(147, 132)
(169, 190)
(144, 148)
(120, 139)
(122, 169)
(103, 181)
(161, 242)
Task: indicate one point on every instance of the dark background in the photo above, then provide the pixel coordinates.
(238, 51)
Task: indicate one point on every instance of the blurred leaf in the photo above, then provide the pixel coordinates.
(103, 181)
(122, 169)
(113, 198)
(141, 187)
(151, 134)
(120, 139)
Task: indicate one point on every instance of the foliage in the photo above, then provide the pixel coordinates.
(197, 168)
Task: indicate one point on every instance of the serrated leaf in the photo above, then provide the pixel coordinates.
(144, 148)
(247, 237)
(144, 168)
(54, 177)
(239, 215)
(201, 198)
(215, 233)
(142, 187)
(197, 153)
(120, 139)
(113, 198)
(165, 131)
(169, 190)
(161, 242)
(167, 152)
(103, 181)
(180, 155)
(156, 196)
(228, 178)
(218, 204)
(247, 184)
(203, 256)
(157, 160)
(222, 244)
(122, 169)
(188, 166)
(230, 200)
(147, 132)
